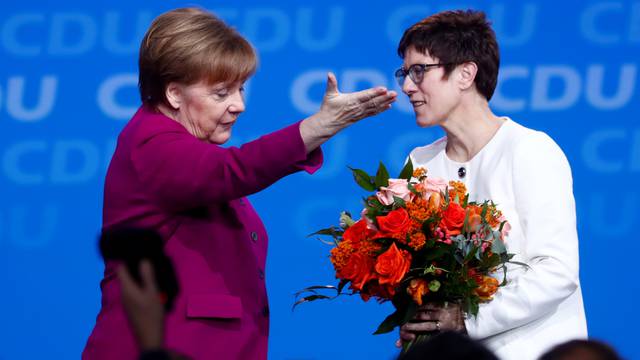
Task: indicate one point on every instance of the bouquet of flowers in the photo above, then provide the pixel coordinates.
(419, 239)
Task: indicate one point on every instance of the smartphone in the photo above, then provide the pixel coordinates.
(130, 245)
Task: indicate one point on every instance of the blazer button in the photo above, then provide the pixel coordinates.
(254, 236)
(265, 311)
(261, 274)
(462, 172)
(241, 201)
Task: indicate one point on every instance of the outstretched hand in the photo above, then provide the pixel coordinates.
(347, 108)
(339, 110)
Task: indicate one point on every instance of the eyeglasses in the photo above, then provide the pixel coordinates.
(415, 72)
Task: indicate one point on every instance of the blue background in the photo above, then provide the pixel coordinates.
(68, 73)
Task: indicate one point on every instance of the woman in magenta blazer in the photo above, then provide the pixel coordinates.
(170, 174)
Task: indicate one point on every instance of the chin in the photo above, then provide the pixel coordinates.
(220, 139)
(424, 121)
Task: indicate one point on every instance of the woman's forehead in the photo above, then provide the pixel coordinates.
(413, 56)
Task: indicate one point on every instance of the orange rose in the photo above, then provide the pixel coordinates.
(392, 265)
(453, 218)
(357, 232)
(359, 270)
(487, 286)
(474, 222)
(434, 201)
(395, 222)
(474, 209)
(418, 288)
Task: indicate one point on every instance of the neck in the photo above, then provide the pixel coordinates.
(173, 115)
(167, 111)
(469, 128)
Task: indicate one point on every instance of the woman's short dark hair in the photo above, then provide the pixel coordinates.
(189, 45)
(456, 37)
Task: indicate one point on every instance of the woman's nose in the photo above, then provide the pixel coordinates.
(237, 102)
(408, 86)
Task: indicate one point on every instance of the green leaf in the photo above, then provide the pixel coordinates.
(407, 170)
(382, 176)
(384, 241)
(473, 307)
(465, 224)
(504, 276)
(410, 313)
(398, 202)
(389, 323)
(316, 287)
(309, 299)
(363, 179)
(429, 270)
(436, 253)
(341, 285)
(498, 247)
(400, 317)
(333, 231)
(518, 263)
(472, 251)
(491, 261)
(327, 242)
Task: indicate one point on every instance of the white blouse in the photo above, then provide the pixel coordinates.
(528, 176)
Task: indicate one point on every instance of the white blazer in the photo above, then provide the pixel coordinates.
(528, 176)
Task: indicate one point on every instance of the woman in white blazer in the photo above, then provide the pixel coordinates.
(449, 73)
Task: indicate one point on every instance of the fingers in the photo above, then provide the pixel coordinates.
(427, 316)
(431, 307)
(421, 326)
(126, 281)
(332, 85)
(148, 276)
(376, 95)
(378, 104)
(406, 335)
(364, 96)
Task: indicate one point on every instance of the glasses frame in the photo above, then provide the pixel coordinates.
(401, 73)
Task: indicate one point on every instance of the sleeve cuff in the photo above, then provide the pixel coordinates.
(310, 162)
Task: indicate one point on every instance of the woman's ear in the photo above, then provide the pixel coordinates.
(174, 95)
(468, 71)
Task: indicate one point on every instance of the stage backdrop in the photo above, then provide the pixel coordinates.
(68, 73)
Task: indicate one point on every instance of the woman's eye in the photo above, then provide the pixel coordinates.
(222, 94)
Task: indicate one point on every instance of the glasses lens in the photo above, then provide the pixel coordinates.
(416, 73)
(400, 76)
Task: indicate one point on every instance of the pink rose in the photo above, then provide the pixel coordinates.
(505, 229)
(397, 188)
(431, 185)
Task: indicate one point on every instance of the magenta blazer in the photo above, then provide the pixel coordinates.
(193, 193)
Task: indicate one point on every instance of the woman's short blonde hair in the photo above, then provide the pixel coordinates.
(187, 46)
